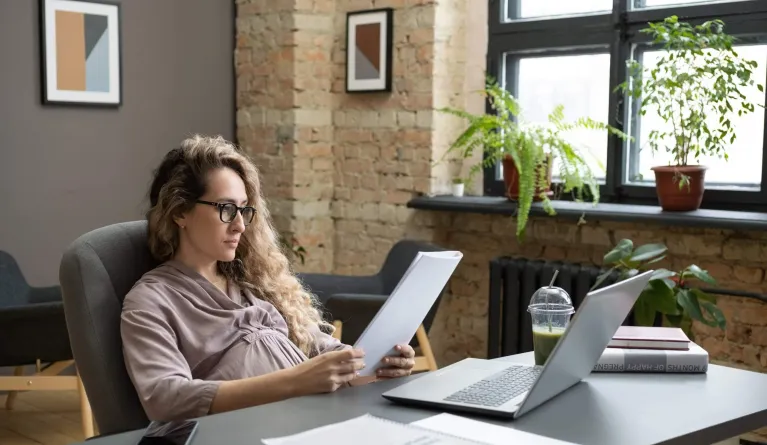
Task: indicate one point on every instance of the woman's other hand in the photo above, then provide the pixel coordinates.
(397, 365)
(327, 372)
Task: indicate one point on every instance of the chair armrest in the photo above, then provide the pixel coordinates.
(347, 306)
(355, 311)
(44, 294)
(33, 331)
(325, 285)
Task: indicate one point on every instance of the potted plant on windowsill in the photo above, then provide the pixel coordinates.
(697, 86)
(458, 185)
(668, 298)
(527, 152)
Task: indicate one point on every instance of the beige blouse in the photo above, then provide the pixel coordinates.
(182, 336)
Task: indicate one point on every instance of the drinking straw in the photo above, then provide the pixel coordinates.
(556, 272)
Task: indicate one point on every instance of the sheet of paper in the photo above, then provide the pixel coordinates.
(399, 317)
(483, 432)
(368, 430)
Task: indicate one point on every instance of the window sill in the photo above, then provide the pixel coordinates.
(712, 219)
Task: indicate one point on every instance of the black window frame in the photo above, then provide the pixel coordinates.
(618, 32)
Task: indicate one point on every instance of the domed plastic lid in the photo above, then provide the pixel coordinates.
(551, 299)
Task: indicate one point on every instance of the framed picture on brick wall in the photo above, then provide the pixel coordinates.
(369, 50)
(80, 52)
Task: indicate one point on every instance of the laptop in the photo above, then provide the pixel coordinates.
(505, 389)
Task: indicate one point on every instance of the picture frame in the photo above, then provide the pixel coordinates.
(81, 52)
(369, 37)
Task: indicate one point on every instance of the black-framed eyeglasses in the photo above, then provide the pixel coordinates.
(227, 211)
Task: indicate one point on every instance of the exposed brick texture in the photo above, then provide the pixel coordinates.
(339, 168)
(285, 113)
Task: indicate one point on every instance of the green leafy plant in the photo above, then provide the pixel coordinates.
(696, 86)
(293, 249)
(458, 181)
(668, 293)
(504, 134)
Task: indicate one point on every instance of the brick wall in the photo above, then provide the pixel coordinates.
(285, 113)
(339, 168)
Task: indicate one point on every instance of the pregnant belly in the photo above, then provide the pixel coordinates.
(257, 353)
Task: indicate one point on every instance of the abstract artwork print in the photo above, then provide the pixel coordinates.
(369, 50)
(80, 52)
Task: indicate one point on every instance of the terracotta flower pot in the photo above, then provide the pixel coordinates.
(511, 179)
(673, 198)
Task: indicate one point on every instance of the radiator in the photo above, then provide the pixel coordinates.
(513, 281)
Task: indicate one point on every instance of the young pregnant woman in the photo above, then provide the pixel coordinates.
(222, 323)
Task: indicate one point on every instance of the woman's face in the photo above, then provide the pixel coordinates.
(202, 228)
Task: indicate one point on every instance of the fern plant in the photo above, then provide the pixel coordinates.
(504, 134)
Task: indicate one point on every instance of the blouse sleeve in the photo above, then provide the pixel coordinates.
(159, 371)
(326, 343)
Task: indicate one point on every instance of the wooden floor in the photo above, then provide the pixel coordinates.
(41, 418)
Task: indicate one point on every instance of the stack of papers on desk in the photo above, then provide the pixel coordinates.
(443, 429)
(486, 433)
(370, 430)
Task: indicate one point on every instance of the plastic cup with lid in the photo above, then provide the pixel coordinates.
(550, 308)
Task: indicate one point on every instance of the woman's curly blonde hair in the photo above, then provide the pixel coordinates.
(260, 264)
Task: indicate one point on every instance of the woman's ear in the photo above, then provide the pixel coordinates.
(180, 221)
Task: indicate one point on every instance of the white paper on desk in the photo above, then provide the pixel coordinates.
(483, 432)
(399, 317)
(369, 430)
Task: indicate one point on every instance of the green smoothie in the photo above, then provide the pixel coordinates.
(545, 338)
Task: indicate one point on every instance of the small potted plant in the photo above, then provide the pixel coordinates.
(696, 87)
(668, 299)
(527, 151)
(458, 185)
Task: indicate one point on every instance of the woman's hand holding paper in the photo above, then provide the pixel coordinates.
(397, 365)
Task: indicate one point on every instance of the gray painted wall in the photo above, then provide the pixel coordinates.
(66, 170)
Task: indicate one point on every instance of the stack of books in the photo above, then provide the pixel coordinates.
(652, 349)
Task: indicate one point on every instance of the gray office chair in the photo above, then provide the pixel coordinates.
(97, 271)
(351, 302)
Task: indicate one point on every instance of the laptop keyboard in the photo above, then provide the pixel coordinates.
(499, 388)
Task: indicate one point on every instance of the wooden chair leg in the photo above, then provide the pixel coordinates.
(338, 325)
(425, 362)
(85, 409)
(428, 355)
(11, 398)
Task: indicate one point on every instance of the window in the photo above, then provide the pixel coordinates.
(540, 86)
(574, 53)
(525, 9)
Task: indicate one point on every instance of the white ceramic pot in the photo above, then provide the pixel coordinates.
(457, 189)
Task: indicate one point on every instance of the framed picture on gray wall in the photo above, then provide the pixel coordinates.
(80, 52)
(369, 50)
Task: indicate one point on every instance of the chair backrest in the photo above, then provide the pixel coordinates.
(97, 271)
(13, 285)
(399, 258)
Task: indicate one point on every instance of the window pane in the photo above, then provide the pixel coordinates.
(523, 9)
(744, 167)
(639, 4)
(581, 84)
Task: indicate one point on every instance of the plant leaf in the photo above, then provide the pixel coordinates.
(648, 251)
(701, 274)
(644, 315)
(621, 251)
(655, 260)
(659, 274)
(674, 320)
(660, 297)
(717, 316)
(704, 296)
(689, 302)
(601, 278)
